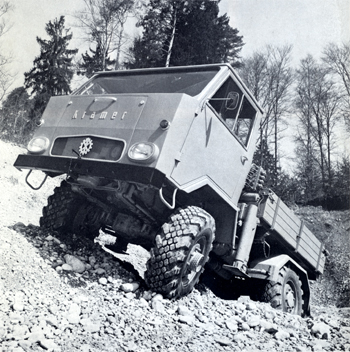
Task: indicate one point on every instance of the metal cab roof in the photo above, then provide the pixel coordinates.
(223, 71)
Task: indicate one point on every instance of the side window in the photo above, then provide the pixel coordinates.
(226, 102)
(245, 122)
(236, 111)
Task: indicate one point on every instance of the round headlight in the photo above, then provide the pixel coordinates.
(38, 145)
(143, 152)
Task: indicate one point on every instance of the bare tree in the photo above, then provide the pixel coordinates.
(5, 8)
(337, 59)
(269, 76)
(103, 22)
(318, 104)
(6, 78)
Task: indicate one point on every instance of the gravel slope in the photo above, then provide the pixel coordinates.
(65, 294)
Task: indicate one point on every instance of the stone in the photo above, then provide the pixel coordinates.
(147, 295)
(253, 321)
(183, 310)
(321, 330)
(187, 319)
(231, 324)
(158, 306)
(199, 300)
(321, 345)
(19, 226)
(36, 337)
(25, 345)
(269, 327)
(223, 341)
(245, 326)
(158, 296)
(77, 265)
(156, 321)
(103, 281)
(18, 306)
(269, 314)
(130, 295)
(66, 267)
(239, 337)
(73, 315)
(334, 324)
(251, 305)
(239, 306)
(92, 327)
(130, 287)
(48, 344)
(92, 260)
(282, 335)
(100, 271)
(243, 299)
(52, 320)
(20, 332)
(85, 348)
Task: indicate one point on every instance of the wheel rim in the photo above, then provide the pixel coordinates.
(195, 261)
(290, 297)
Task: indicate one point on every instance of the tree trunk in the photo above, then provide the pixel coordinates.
(167, 63)
(119, 45)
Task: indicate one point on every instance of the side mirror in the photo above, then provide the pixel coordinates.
(232, 100)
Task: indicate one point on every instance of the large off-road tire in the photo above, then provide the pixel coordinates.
(61, 208)
(286, 293)
(181, 250)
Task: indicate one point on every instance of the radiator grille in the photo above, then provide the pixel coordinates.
(101, 148)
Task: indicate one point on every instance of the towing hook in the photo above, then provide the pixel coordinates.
(32, 187)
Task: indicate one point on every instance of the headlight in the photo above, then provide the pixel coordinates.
(143, 152)
(38, 145)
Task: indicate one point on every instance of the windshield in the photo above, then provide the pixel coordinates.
(191, 83)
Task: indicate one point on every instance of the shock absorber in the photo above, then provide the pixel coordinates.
(247, 238)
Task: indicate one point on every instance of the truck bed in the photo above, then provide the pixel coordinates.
(285, 227)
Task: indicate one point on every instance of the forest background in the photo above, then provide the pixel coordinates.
(304, 89)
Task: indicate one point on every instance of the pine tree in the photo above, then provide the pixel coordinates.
(264, 158)
(53, 68)
(94, 62)
(179, 32)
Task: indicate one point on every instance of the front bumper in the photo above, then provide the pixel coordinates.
(54, 166)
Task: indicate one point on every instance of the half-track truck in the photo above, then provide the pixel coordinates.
(162, 158)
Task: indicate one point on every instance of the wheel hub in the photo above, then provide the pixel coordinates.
(193, 265)
(289, 298)
(196, 258)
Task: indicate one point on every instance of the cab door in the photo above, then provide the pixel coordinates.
(216, 149)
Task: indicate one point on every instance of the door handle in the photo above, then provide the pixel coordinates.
(105, 98)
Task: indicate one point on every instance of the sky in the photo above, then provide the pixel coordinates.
(308, 25)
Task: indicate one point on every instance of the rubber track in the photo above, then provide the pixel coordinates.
(171, 249)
